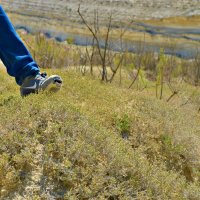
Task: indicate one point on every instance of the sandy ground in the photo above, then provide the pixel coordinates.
(121, 9)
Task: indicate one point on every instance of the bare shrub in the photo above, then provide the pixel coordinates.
(51, 54)
(101, 50)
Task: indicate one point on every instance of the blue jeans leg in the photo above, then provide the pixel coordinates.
(13, 53)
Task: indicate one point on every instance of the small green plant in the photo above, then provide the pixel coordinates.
(123, 125)
(70, 40)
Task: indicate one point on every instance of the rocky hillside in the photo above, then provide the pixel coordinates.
(67, 9)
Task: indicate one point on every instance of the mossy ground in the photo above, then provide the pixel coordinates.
(96, 141)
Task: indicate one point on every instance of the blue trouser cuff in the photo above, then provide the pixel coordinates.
(13, 53)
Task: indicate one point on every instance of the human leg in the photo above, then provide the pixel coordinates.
(13, 53)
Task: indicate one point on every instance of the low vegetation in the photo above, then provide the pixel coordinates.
(132, 135)
(98, 141)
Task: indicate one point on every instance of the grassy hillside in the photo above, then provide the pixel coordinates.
(96, 141)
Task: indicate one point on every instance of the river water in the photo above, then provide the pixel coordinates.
(186, 50)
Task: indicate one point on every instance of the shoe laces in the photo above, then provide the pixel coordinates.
(44, 74)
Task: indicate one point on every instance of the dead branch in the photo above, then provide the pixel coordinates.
(173, 94)
(91, 31)
(115, 71)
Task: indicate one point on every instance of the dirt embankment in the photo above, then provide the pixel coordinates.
(122, 9)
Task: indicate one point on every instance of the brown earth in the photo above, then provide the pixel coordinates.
(122, 9)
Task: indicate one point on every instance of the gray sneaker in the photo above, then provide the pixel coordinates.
(40, 82)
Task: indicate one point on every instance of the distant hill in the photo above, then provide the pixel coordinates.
(67, 9)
